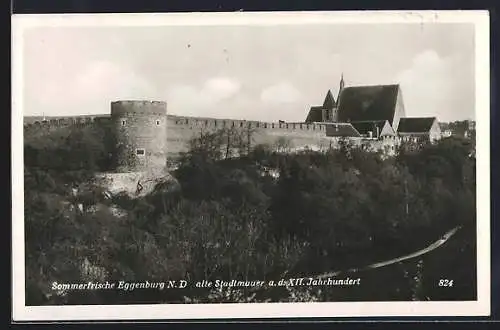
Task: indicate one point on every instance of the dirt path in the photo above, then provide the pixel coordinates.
(415, 254)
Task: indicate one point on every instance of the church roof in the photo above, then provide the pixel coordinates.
(329, 102)
(368, 103)
(341, 129)
(315, 114)
(415, 124)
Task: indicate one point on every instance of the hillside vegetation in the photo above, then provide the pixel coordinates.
(259, 216)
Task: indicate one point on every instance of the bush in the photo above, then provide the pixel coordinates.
(234, 219)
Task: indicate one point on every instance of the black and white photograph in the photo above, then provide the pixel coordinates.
(240, 165)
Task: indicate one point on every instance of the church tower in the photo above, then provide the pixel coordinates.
(341, 86)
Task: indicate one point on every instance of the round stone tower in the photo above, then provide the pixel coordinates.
(141, 135)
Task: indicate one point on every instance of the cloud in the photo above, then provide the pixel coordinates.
(92, 89)
(438, 86)
(192, 99)
(217, 89)
(109, 79)
(280, 93)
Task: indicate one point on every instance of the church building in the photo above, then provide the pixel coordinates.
(375, 112)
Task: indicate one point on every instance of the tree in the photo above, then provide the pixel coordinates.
(283, 145)
(233, 219)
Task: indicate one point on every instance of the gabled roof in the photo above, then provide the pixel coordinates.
(315, 114)
(341, 129)
(368, 103)
(329, 102)
(363, 127)
(415, 124)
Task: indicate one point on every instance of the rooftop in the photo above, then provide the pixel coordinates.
(341, 130)
(368, 103)
(363, 127)
(415, 124)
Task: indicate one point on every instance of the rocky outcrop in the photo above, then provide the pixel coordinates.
(137, 184)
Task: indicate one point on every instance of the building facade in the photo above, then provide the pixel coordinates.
(419, 129)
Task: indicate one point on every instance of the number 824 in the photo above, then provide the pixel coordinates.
(445, 283)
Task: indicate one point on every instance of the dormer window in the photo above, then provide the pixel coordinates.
(141, 152)
(157, 122)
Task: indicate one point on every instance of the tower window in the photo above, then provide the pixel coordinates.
(124, 122)
(140, 152)
(157, 123)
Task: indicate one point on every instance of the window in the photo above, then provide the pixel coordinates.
(157, 123)
(124, 122)
(140, 152)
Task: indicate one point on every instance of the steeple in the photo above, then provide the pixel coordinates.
(342, 83)
(341, 87)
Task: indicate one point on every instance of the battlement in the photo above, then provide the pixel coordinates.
(179, 121)
(212, 123)
(54, 122)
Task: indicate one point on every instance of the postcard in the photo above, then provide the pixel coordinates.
(239, 165)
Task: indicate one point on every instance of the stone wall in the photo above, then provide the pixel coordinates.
(179, 130)
(140, 128)
(182, 129)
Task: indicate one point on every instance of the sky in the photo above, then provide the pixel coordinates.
(265, 73)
